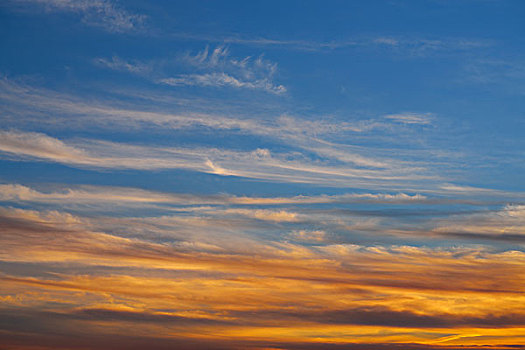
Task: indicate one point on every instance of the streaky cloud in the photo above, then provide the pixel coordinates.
(104, 154)
(98, 13)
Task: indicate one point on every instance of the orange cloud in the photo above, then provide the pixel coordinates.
(64, 269)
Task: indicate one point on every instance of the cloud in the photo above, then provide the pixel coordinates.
(133, 316)
(221, 80)
(400, 45)
(218, 68)
(85, 266)
(116, 63)
(369, 293)
(98, 13)
(40, 146)
(387, 41)
(306, 235)
(93, 196)
(493, 72)
(383, 316)
(220, 58)
(34, 101)
(283, 168)
(27, 327)
(37, 145)
(310, 139)
(311, 136)
(208, 68)
(411, 118)
(505, 223)
(266, 215)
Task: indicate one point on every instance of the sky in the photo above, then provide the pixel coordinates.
(262, 174)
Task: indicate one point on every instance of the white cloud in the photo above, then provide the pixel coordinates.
(100, 13)
(41, 146)
(279, 167)
(223, 79)
(89, 194)
(305, 149)
(218, 68)
(411, 118)
(116, 63)
(305, 134)
(411, 46)
(220, 58)
(215, 169)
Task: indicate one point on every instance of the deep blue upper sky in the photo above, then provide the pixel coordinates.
(432, 85)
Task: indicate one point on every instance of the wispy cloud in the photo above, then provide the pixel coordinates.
(306, 220)
(399, 45)
(119, 64)
(510, 220)
(207, 68)
(222, 79)
(309, 135)
(28, 100)
(411, 118)
(42, 109)
(219, 68)
(251, 164)
(308, 235)
(99, 196)
(40, 146)
(508, 73)
(99, 13)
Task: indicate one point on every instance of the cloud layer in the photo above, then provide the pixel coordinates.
(341, 290)
(180, 175)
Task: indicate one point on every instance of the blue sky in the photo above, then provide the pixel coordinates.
(247, 128)
(457, 66)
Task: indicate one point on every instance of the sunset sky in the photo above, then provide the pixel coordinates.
(262, 174)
